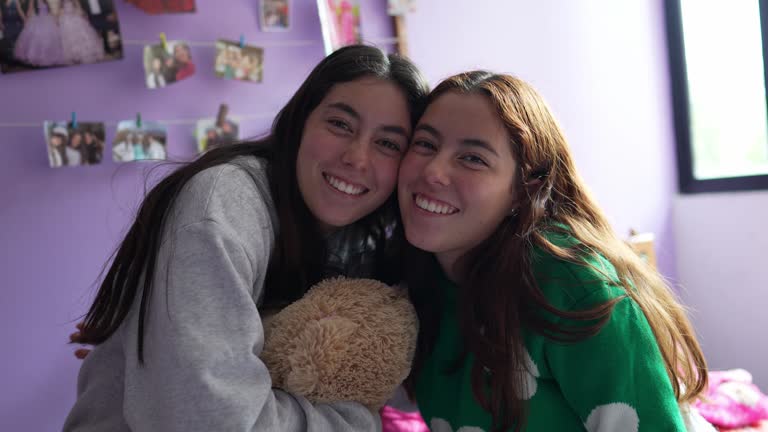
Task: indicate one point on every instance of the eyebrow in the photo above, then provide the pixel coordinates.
(429, 129)
(386, 128)
(474, 142)
(467, 142)
(346, 108)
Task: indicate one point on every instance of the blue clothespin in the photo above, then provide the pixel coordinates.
(242, 41)
(74, 120)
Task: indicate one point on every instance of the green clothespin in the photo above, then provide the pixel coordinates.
(164, 41)
(138, 120)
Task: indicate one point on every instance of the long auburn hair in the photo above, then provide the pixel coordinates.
(301, 256)
(498, 293)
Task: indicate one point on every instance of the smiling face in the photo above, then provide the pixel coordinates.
(351, 149)
(457, 181)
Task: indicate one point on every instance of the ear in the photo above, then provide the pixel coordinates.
(529, 189)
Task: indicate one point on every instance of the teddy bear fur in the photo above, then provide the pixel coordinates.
(345, 340)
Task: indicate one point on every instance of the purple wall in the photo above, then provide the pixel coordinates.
(60, 225)
(722, 266)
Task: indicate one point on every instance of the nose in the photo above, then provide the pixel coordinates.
(356, 155)
(437, 172)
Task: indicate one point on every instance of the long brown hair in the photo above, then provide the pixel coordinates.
(302, 256)
(498, 293)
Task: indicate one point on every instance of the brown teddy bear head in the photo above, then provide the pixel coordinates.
(345, 340)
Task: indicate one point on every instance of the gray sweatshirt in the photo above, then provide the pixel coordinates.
(203, 337)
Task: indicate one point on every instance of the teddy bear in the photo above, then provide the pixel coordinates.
(345, 340)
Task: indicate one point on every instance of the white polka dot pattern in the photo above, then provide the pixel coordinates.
(439, 425)
(613, 417)
(530, 374)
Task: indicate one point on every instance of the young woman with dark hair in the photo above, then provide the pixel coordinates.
(176, 323)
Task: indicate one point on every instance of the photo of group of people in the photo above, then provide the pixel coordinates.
(155, 7)
(275, 15)
(340, 23)
(219, 132)
(139, 141)
(240, 63)
(74, 145)
(167, 63)
(38, 34)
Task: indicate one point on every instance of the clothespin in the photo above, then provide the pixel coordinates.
(138, 120)
(164, 41)
(221, 116)
(74, 120)
(242, 41)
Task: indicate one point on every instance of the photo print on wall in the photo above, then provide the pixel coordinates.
(74, 144)
(167, 63)
(37, 34)
(136, 140)
(238, 61)
(275, 15)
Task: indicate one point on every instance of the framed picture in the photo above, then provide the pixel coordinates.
(38, 34)
(275, 15)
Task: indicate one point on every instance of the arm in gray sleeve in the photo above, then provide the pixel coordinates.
(204, 334)
(202, 371)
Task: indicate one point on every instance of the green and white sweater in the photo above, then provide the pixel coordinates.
(615, 381)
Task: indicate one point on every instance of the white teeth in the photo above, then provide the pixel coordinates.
(343, 186)
(434, 207)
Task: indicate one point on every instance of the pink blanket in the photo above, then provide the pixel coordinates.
(393, 420)
(732, 401)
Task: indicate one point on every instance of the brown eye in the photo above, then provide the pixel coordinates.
(473, 159)
(390, 145)
(340, 124)
(424, 145)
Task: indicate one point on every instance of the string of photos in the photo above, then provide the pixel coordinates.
(44, 34)
(75, 143)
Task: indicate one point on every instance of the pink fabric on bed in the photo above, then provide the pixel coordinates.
(761, 427)
(393, 420)
(732, 401)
